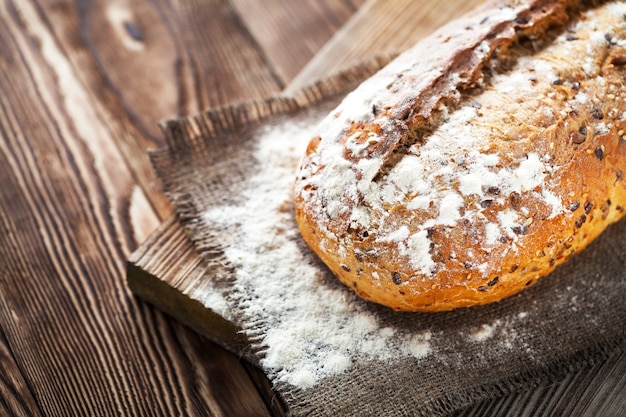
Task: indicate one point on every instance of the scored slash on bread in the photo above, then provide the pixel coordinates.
(477, 161)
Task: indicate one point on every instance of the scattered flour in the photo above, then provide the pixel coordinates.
(502, 332)
(214, 300)
(483, 333)
(310, 329)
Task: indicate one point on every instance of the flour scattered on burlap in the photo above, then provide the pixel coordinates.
(307, 330)
(306, 325)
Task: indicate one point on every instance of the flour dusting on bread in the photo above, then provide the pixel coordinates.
(449, 181)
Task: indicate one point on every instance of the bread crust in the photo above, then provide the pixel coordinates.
(476, 162)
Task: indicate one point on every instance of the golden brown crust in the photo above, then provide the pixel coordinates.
(471, 175)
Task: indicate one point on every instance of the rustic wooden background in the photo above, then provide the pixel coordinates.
(82, 85)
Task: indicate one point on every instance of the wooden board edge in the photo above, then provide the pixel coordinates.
(181, 307)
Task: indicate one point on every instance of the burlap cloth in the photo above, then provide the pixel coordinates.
(572, 318)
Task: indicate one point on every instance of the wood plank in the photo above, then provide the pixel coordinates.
(380, 27)
(217, 60)
(84, 346)
(596, 391)
(78, 193)
(18, 400)
(169, 67)
(168, 253)
(293, 36)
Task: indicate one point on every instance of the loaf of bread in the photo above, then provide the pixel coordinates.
(476, 162)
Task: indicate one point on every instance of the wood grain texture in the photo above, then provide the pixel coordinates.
(380, 27)
(596, 391)
(217, 60)
(144, 62)
(15, 394)
(82, 85)
(292, 32)
(81, 343)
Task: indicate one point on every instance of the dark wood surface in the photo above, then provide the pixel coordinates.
(82, 86)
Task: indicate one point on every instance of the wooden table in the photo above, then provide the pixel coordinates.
(82, 85)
